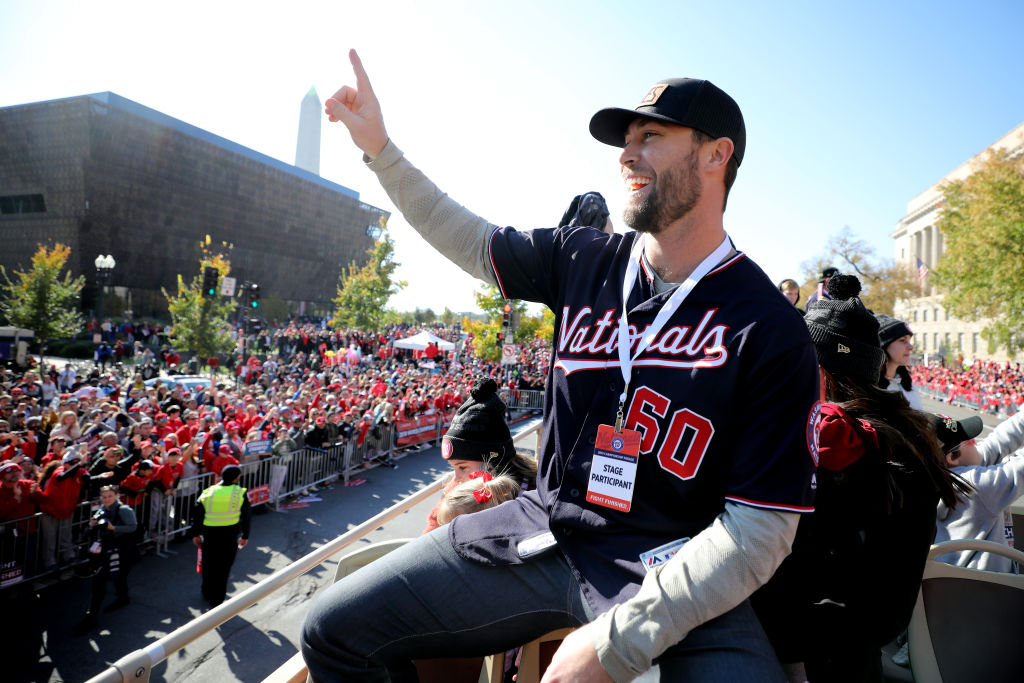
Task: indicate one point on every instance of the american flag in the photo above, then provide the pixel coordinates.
(922, 272)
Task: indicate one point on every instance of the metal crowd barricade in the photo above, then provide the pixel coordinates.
(21, 550)
(172, 513)
(310, 467)
(137, 666)
(30, 547)
(523, 399)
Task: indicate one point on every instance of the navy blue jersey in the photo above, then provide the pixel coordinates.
(722, 398)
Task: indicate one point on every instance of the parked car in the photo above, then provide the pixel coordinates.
(189, 383)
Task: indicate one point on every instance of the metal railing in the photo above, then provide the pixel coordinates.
(136, 667)
(40, 545)
(523, 399)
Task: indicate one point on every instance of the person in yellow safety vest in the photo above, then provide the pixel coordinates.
(220, 526)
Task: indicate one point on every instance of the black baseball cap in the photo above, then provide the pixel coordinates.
(953, 432)
(690, 102)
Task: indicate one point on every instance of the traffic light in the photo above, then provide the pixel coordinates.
(501, 338)
(254, 299)
(210, 276)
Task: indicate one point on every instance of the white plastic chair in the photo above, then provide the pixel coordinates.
(966, 623)
(363, 556)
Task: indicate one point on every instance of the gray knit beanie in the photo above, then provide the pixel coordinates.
(890, 329)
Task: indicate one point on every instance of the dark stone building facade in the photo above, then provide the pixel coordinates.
(106, 175)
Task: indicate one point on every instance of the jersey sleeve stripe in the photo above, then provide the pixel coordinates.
(494, 267)
(770, 506)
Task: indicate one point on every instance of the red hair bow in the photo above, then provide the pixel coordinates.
(482, 495)
(481, 474)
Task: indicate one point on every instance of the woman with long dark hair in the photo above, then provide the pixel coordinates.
(851, 582)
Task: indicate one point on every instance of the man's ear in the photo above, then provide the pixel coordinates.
(718, 153)
(952, 458)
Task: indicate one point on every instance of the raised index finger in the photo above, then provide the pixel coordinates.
(362, 80)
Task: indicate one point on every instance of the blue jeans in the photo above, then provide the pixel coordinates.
(424, 601)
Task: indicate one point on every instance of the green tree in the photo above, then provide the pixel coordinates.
(882, 280)
(364, 291)
(491, 302)
(981, 272)
(485, 332)
(421, 316)
(448, 317)
(201, 324)
(42, 300)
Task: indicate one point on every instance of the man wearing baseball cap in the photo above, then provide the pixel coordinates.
(659, 507)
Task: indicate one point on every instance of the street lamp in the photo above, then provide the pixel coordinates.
(104, 270)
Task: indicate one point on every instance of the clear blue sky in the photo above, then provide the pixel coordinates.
(851, 108)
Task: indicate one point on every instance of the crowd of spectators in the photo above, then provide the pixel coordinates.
(74, 431)
(997, 388)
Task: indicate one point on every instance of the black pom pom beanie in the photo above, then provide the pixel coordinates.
(845, 333)
(478, 431)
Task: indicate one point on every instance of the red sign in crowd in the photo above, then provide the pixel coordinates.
(422, 428)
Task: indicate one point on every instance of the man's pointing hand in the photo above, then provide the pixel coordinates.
(359, 110)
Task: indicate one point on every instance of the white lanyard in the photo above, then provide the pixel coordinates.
(666, 312)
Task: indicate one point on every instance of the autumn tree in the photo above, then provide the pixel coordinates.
(485, 332)
(200, 323)
(981, 272)
(363, 291)
(41, 299)
(883, 281)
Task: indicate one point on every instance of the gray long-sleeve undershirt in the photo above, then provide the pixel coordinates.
(460, 235)
(714, 572)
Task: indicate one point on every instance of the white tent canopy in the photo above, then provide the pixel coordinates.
(423, 340)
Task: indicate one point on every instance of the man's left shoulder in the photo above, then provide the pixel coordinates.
(752, 295)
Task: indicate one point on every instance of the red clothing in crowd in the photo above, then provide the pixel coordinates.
(187, 433)
(19, 501)
(61, 496)
(134, 487)
(221, 461)
(168, 475)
